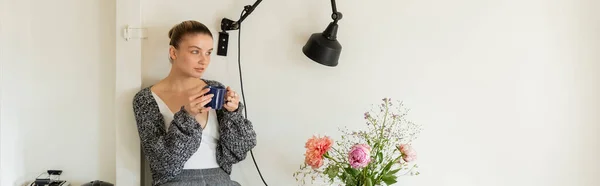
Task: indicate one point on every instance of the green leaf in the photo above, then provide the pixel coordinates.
(388, 166)
(389, 179)
(379, 157)
(392, 172)
(332, 172)
(326, 170)
(352, 171)
(349, 179)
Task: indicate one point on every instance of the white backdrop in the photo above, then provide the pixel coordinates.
(506, 90)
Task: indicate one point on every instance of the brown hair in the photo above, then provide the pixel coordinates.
(185, 28)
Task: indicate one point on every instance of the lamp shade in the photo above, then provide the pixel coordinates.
(322, 50)
(323, 47)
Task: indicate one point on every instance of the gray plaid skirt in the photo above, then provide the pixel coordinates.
(202, 177)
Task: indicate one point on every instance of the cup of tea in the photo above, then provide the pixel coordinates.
(218, 98)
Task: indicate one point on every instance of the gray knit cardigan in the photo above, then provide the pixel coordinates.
(168, 150)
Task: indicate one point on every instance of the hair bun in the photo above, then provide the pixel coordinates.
(185, 28)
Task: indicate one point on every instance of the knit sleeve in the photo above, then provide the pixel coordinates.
(166, 150)
(237, 136)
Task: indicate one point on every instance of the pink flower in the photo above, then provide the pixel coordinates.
(314, 159)
(322, 145)
(315, 149)
(359, 156)
(408, 153)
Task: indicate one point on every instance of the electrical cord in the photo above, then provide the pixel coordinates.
(243, 96)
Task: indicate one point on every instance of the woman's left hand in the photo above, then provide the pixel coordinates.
(232, 100)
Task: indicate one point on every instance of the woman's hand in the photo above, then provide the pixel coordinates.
(196, 102)
(232, 100)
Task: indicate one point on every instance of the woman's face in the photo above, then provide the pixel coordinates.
(193, 56)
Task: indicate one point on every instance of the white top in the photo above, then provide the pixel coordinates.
(206, 155)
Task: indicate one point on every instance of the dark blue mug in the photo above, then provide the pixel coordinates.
(218, 98)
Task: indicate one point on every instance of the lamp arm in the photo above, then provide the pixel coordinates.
(248, 11)
(333, 7)
(336, 16)
(227, 24)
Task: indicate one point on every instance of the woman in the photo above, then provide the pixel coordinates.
(185, 142)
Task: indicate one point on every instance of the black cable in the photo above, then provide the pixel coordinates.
(243, 96)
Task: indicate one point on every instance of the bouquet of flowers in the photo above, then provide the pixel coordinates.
(369, 157)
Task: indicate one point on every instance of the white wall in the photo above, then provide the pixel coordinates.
(58, 79)
(507, 90)
(11, 151)
(128, 83)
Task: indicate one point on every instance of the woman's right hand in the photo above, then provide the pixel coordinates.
(196, 102)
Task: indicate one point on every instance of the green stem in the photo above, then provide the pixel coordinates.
(379, 145)
(384, 121)
(337, 151)
(393, 152)
(374, 122)
(365, 174)
(331, 158)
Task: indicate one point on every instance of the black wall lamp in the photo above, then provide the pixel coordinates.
(322, 48)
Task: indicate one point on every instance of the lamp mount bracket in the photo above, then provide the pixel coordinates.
(228, 24)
